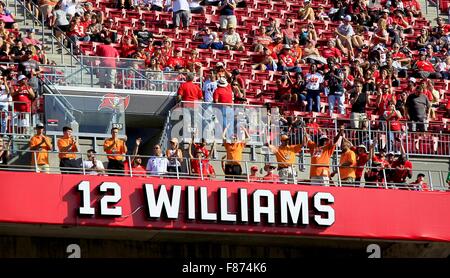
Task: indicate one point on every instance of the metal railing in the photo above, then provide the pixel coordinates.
(12, 122)
(31, 19)
(436, 180)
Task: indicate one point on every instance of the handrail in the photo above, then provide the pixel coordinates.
(41, 21)
(379, 183)
(68, 105)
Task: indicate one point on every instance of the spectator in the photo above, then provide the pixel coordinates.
(30, 39)
(107, 69)
(334, 79)
(206, 37)
(209, 86)
(425, 69)
(417, 108)
(261, 39)
(137, 170)
(392, 117)
(157, 164)
(284, 85)
(195, 8)
(253, 174)
(361, 159)
(144, 36)
(288, 32)
(4, 152)
(419, 184)
(175, 156)
(227, 17)
(232, 40)
(314, 82)
(223, 93)
(27, 65)
(233, 168)
(287, 62)
(23, 97)
(91, 165)
(5, 103)
(306, 12)
(347, 164)
(158, 5)
(359, 101)
(94, 29)
(331, 51)
(320, 157)
(176, 61)
(109, 31)
(270, 177)
(68, 147)
(285, 155)
(402, 169)
(200, 162)
(116, 149)
(188, 91)
(9, 19)
(344, 34)
(77, 32)
(40, 145)
(60, 23)
(181, 12)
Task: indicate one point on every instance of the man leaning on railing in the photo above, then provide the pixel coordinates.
(91, 165)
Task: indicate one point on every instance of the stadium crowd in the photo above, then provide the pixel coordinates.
(352, 58)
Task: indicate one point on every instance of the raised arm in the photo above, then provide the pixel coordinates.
(339, 135)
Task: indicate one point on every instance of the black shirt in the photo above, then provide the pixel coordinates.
(334, 84)
(143, 36)
(360, 104)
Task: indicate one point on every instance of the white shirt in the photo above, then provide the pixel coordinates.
(157, 165)
(313, 81)
(4, 99)
(87, 165)
(180, 5)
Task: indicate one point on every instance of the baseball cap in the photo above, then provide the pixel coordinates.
(31, 30)
(412, 79)
(40, 125)
(91, 151)
(174, 140)
(421, 175)
(142, 22)
(254, 168)
(21, 77)
(219, 64)
(286, 46)
(363, 147)
(348, 18)
(323, 136)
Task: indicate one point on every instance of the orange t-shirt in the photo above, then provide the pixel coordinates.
(234, 152)
(286, 155)
(64, 143)
(320, 156)
(348, 171)
(42, 154)
(119, 148)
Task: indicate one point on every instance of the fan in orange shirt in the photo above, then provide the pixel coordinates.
(347, 164)
(320, 157)
(40, 144)
(233, 168)
(285, 155)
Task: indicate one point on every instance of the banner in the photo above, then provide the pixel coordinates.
(229, 207)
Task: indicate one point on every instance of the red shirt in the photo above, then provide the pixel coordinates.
(425, 66)
(190, 91)
(313, 127)
(288, 60)
(138, 171)
(361, 161)
(398, 55)
(331, 52)
(195, 164)
(400, 175)
(223, 95)
(128, 50)
(110, 54)
(176, 61)
(24, 98)
(284, 89)
(271, 177)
